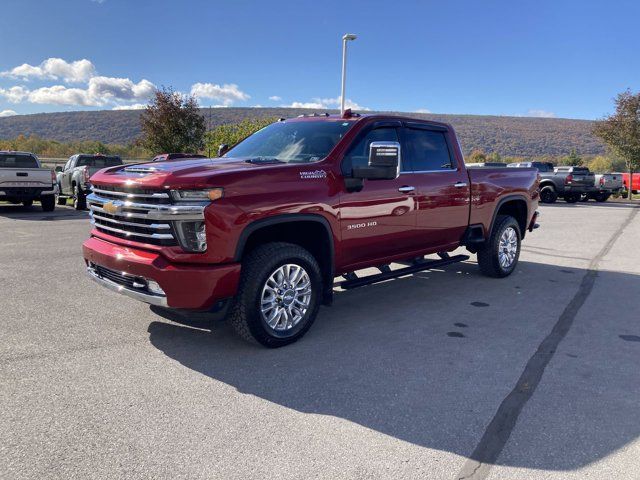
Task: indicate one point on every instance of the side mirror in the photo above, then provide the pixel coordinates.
(58, 169)
(222, 149)
(384, 162)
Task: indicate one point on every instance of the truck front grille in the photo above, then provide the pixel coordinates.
(144, 216)
(116, 277)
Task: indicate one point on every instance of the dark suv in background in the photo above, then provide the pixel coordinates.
(569, 183)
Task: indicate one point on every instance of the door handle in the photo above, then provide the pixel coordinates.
(460, 184)
(406, 189)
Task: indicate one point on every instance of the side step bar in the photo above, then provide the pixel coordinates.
(387, 275)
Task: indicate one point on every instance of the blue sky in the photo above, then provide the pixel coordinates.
(537, 58)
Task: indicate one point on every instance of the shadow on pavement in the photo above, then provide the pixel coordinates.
(427, 359)
(35, 213)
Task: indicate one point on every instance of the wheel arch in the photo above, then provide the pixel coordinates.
(517, 207)
(310, 231)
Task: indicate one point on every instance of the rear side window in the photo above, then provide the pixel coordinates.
(427, 150)
(358, 154)
(99, 162)
(17, 161)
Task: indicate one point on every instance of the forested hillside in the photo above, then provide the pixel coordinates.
(509, 136)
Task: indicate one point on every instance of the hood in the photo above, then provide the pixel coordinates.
(194, 173)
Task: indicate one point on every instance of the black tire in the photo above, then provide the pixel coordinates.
(79, 198)
(601, 197)
(27, 203)
(489, 253)
(548, 194)
(48, 203)
(245, 314)
(572, 197)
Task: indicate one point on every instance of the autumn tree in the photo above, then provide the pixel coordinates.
(477, 156)
(601, 164)
(232, 133)
(171, 123)
(572, 160)
(621, 131)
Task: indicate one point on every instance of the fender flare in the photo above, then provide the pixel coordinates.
(501, 202)
(286, 218)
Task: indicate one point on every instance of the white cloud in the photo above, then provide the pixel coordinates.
(227, 94)
(14, 94)
(326, 103)
(54, 69)
(422, 110)
(540, 113)
(135, 106)
(100, 91)
(8, 113)
(275, 98)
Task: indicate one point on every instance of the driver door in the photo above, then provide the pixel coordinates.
(379, 221)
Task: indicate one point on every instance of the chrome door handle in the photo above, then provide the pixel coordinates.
(406, 189)
(460, 184)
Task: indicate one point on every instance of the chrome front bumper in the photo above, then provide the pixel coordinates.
(158, 300)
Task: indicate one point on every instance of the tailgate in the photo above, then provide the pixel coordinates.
(583, 179)
(25, 177)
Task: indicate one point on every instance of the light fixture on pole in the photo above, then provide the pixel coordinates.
(345, 39)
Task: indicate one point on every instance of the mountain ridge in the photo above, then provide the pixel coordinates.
(509, 136)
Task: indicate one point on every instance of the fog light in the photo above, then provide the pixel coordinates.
(192, 236)
(154, 288)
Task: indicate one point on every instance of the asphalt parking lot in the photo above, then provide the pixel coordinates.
(441, 375)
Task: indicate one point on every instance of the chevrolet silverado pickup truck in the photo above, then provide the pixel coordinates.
(73, 178)
(263, 232)
(23, 180)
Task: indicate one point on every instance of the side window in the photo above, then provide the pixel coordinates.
(427, 150)
(68, 165)
(358, 154)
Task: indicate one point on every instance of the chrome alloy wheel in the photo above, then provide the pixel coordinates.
(508, 247)
(286, 297)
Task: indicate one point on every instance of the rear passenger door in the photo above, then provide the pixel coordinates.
(441, 183)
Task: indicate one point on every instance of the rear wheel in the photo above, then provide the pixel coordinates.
(548, 194)
(79, 199)
(27, 203)
(601, 197)
(499, 255)
(572, 197)
(279, 294)
(48, 203)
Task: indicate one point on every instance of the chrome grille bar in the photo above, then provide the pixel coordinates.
(155, 226)
(128, 233)
(163, 195)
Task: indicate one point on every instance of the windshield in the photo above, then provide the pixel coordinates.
(298, 142)
(17, 161)
(100, 162)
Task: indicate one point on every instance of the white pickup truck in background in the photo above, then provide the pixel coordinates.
(23, 180)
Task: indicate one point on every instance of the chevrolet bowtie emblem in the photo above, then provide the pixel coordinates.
(111, 208)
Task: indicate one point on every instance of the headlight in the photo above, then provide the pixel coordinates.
(192, 235)
(207, 195)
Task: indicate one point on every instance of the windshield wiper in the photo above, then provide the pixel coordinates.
(264, 160)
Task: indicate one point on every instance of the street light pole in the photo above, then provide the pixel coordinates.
(345, 39)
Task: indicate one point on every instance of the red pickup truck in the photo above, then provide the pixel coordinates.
(262, 232)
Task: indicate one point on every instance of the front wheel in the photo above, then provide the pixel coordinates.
(279, 294)
(548, 194)
(499, 255)
(79, 198)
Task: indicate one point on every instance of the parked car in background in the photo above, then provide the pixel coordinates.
(635, 186)
(569, 183)
(264, 230)
(23, 180)
(163, 157)
(485, 164)
(73, 178)
(606, 184)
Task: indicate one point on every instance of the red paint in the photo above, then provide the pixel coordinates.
(635, 186)
(431, 219)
